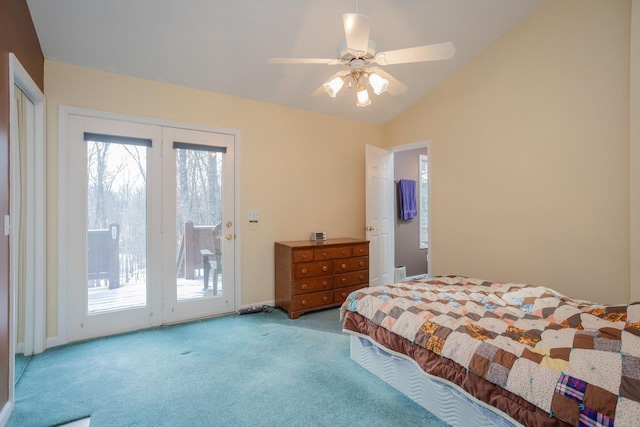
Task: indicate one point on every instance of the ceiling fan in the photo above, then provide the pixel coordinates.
(358, 53)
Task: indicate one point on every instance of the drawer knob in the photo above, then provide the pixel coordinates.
(304, 271)
(343, 266)
(325, 284)
(361, 250)
(325, 268)
(344, 252)
(344, 295)
(304, 256)
(304, 286)
(361, 277)
(304, 302)
(344, 280)
(324, 254)
(361, 263)
(325, 299)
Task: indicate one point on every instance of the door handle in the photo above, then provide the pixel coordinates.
(229, 236)
(369, 228)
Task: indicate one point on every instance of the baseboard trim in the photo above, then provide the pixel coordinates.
(53, 342)
(5, 413)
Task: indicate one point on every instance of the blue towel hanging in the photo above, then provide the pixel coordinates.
(407, 199)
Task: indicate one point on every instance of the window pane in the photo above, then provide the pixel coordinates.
(116, 226)
(198, 223)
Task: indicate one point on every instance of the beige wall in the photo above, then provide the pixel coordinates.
(530, 154)
(303, 171)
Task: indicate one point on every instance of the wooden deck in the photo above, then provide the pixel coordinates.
(101, 299)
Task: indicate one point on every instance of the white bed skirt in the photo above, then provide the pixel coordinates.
(443, 399)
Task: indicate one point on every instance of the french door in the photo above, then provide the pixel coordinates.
(150, 232)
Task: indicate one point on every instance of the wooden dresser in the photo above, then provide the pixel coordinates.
(315, 275)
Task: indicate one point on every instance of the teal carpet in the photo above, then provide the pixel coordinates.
(259, 369)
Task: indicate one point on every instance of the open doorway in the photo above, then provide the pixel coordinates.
(411, 215)
(26, 224)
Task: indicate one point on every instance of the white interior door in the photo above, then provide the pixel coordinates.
(379, 214)
(128, 210)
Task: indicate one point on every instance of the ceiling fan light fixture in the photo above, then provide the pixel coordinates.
(359, 54)
(363, 97)
(349, 81)
(378, 84)
(333, 86)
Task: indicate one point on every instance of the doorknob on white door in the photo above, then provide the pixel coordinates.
(369, 228)
(229, 236)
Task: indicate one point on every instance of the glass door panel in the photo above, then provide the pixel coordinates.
(198, 223)
(116, 226)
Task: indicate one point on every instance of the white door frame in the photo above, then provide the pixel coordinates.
(412, 146)
(63, 198)
(35, 305)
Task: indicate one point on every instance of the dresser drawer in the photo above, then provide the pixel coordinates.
(302, 255)
(351, 279)
(312, 269)
(351, 264)
(340, 295)
(302, 286)
(316, 299)
(332, 253)
(361, 250)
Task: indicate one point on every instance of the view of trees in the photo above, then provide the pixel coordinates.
(117, 192)
(199, 185)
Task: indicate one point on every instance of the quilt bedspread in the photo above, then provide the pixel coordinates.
(573, 359)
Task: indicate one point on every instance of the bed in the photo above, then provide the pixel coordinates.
(486, 353)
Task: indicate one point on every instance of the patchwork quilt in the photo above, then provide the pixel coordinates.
(576, 360)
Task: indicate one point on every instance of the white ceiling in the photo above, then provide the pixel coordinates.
(223, 46)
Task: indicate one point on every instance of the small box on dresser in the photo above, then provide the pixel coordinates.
(315, 275)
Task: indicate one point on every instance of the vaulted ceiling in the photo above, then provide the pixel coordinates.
(223, 46)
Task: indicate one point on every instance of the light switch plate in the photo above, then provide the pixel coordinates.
(253, 215)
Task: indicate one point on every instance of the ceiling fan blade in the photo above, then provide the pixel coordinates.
(304, 61)
(320, 91)
(432, 52)
(395, 86)
(356, 31)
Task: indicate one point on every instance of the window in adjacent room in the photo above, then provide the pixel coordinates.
(424, 201)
